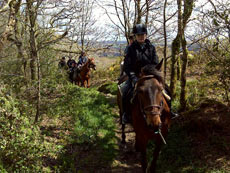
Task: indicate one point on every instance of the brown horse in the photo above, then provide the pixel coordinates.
(83, 78)
(150, 114)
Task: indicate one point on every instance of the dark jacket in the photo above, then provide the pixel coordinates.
(62, 64)
(126, 50)
(139, 56)
(70, 62)
(82, 60)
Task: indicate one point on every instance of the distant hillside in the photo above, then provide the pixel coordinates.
(118, 48)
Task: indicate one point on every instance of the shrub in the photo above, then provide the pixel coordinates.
(195, 93)
(219, 68)
(111, 73)
(21, 147)
(108, 87)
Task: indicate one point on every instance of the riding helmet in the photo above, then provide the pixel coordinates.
(139, 29)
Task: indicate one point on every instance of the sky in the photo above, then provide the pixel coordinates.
(104, 20)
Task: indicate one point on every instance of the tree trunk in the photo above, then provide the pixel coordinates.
(165, 41)
(32, 13)
(147, 12)
(228, 34)
(184, 58)
(8, 32)
(18, 39)
(125, 21)
(179, 4)
(38, 90)
(138, 6)
(175, 52)
(188, 7)
(178, 67)
(33, 46)
(33, 54)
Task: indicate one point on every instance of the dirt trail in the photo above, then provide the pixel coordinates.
(128, 160)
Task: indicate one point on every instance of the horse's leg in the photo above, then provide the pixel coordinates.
(155, 157)
(123, 133)
(79, 82)
(84, 84)
(88, 83)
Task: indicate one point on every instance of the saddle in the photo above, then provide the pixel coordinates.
(121, 84)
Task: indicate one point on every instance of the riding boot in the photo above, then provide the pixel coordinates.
(174, 115)
(167, 95)
(126, 117)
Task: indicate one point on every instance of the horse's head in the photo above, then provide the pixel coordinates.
(91, 63)
(148, 92)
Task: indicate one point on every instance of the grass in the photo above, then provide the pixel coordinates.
(177, 154)
(109, 87)
(198, 142)
(93, 130)
(195, 94)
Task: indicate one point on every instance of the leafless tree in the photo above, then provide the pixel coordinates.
(129, 13)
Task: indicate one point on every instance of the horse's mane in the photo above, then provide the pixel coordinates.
(151, 70)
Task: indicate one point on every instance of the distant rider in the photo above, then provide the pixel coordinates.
(62, 63)
(70, 62)
(82, 59)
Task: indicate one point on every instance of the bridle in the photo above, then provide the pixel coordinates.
(152, 112)
(145, 110)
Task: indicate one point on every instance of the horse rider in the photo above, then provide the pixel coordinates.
(71, 70)
(62, 63)
(70, 62)
(82, 59)
(139, 54)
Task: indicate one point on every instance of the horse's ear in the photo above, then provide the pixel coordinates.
(159, 65)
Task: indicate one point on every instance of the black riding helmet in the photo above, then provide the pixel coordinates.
(139, 29)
